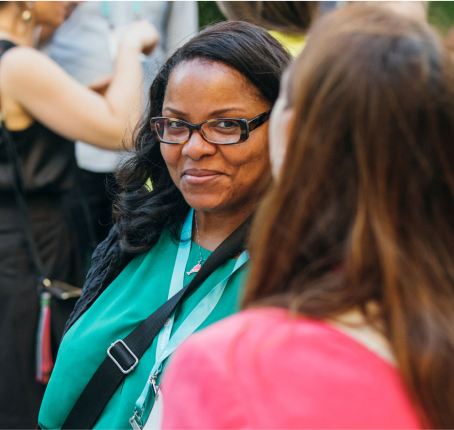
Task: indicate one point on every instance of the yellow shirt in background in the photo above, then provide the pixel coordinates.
(293, 44)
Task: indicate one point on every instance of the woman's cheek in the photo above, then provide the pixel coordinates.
(172, 156)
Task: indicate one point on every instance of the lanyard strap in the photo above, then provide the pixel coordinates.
(177, 281)
(166, 345)
(184, 248)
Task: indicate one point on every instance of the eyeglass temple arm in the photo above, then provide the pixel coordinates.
(258, 120)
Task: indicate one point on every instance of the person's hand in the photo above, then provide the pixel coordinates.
(141, 35)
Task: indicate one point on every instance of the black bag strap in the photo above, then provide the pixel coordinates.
(24, 215)
(124, 355)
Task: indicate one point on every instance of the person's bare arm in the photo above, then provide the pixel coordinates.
(72, 110)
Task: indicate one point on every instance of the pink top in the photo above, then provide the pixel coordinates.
(263, 369)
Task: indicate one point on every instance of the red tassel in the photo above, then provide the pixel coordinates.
(44, 362)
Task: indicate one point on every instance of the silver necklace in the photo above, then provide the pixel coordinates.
(198, 266)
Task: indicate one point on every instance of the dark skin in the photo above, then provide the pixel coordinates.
(222, 183)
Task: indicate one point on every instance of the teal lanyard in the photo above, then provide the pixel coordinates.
(106, 10)
(166, 344)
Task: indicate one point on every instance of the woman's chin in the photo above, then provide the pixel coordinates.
(207, 192)
(206, 202)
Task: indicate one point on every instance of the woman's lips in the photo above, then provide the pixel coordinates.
(198, 177)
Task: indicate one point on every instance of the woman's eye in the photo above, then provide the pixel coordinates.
(175, 124)
(226, 124)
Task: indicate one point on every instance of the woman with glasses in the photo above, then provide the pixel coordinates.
(199, 169)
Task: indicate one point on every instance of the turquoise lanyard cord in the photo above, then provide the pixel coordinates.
(106, 9)
(137, 9)
(166, 344)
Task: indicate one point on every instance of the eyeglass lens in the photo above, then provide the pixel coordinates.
(220, 131)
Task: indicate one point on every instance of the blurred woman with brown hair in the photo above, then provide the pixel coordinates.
(352, 277)
(286, 21)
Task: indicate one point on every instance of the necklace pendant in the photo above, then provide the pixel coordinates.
(195, 269)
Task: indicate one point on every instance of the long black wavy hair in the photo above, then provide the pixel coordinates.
(141, 214)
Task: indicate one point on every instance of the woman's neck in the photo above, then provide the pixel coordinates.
(13, 27)
(214, 227)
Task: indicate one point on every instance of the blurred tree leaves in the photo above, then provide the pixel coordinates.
(209, 13)
(441, 15)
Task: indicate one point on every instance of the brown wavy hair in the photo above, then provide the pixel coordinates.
(364, 208)
(289, 17)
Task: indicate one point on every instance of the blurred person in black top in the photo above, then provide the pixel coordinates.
(46, 110)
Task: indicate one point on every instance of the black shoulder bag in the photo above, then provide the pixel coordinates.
(124, 354)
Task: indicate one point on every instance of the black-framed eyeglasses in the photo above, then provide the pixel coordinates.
(221, 131)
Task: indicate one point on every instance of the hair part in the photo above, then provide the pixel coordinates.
(363, 210)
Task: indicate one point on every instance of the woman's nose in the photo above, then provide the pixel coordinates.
(197, 147)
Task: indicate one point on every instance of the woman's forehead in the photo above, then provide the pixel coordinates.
(201, 81)
(199, 76)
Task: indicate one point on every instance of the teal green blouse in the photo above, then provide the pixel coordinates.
(137, 292)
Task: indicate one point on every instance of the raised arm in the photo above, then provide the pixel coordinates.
(49, 95)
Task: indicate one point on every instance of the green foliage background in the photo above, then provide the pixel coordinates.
(209, 13)
(441, 14)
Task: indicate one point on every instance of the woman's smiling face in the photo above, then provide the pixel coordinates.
(216, 178)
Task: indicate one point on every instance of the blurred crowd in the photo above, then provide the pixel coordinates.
(281, 183)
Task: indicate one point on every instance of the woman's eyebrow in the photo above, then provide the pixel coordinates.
(175, 111)
(215, 113)
(222, 111)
